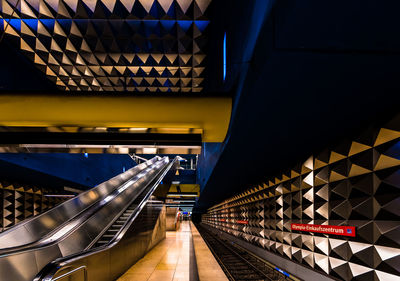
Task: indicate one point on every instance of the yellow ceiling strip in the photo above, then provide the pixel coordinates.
(210, 114)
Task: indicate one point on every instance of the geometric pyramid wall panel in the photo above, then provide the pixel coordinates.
(112, 45)
(356, 183)
(19, 202)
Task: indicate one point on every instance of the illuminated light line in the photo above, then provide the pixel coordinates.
(59, 195)
(182, 195)
(283, 272)
(185, 206)
(224, 50)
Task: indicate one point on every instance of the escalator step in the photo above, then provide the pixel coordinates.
(117, 225)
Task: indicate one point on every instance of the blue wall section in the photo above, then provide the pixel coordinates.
(208, 158)
(186, 177)
(89, 172)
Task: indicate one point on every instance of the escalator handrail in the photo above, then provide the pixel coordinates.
(37, 222)
(51, 269)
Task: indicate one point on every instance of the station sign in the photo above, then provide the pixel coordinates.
(236, 221)
(326, 229)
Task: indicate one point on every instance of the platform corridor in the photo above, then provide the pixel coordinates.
(170, 260)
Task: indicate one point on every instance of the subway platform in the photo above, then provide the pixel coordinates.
(181, 256)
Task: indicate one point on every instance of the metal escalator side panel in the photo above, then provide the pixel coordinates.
(76, 236)
(107, 215)
(110, 261)
(143, 202)
(24, 265)
(35, 228)
(150, 231)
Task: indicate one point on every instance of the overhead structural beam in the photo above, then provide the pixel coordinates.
(211, 114)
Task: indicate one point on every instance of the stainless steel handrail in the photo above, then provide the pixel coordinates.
(50, 271)
(32, 230)
(69, 273)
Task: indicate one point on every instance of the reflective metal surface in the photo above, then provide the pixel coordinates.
(172, 219)
(144, 229)
(79, 232)
(33, 229)
(108, 263)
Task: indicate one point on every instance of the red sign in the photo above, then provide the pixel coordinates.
(238, 221)
(326, 229)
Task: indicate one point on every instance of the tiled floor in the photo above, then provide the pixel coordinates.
(207, 266)
(168, 261)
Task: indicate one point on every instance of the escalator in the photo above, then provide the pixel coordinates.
(92, 220)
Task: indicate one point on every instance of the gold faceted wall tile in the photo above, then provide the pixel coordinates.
(141, 36)
(386, 135)
(20, 202)
(357, 147)
(335, 157)
(386, 162)
(357, 170)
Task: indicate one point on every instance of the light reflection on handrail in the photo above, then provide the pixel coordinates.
(72, 271)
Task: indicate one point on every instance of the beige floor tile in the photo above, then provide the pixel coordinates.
(167, 259)
(162, 275)
(208, 267)
(170, 259)
(165, 266)
(134, 277)
(140, 269)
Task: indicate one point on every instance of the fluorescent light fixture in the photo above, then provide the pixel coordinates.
(59, 195)
(124, 150)
(224, 54)
(149, 150)
(66, 188)
(182, 194)
(180, 206)
(34, 145)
